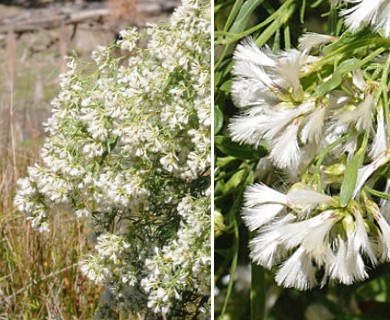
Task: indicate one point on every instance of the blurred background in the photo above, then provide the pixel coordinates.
(39, 273)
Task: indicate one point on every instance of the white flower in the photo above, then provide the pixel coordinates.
(297, 272)
(347, 265)
(285, 151)
(312, 130)
(300, 197)
(312, 40)
(366, 171)
(262, 204)
(274, 107)
(264, 123)
(304, 228)
(128, 39)
(272, 73)
(380, 142)
(375, 13)
(360, 116)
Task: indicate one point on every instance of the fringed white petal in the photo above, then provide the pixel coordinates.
(384, 238)
(358, 79)
(361, 241)
(249, 62)
(340, 268)
(260, 193)
(292, 234)
(257, 216)
(312, 40)
(285, 151)
(363, 174)
(248, 51)
(303, 197)
(313, 128)
(289, 67)
(380, 139)
(366, 171)
(265, 247)
(251, 71)
(383, 21)
(365, 110)
(359, 117)
(247, 129)
(355, 260)
(250, 92)
(362, 14)
(252, 127)
(297, 272)
(277, 120)
(368, 12)
(317, 243)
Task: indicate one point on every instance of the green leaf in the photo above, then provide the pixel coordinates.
(284, 13)
(330, 85)
(226, 86)
(236, 179)
(221, 162)
(347, 65)
(377, 193)
(243, 16)
(219, 188)
(243, 152)
(351, 173)
(233, 14)
(218, 119)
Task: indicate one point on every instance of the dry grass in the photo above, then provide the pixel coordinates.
(39, 273)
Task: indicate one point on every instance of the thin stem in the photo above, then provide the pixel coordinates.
(257, 292)
(233, 266)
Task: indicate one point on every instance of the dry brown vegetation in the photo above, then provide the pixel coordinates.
(39, 273)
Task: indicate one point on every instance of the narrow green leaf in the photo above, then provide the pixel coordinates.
(243, 16)
(276, 45)
(377, 193)
(287, 37)
(235, 180)
(233, 14)
(218, 119)
(329, 85)
(221, 162)
(283, 14)
(226, 86)
(302, 11)
(239, 151)
(351, 173)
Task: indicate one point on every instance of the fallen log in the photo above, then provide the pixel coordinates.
(56, 16)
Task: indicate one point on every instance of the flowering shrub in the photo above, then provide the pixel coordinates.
(129, 146)
(310, 136)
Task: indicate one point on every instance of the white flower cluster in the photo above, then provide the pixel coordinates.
(297, 123)
(129, 146)
(320, 126)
